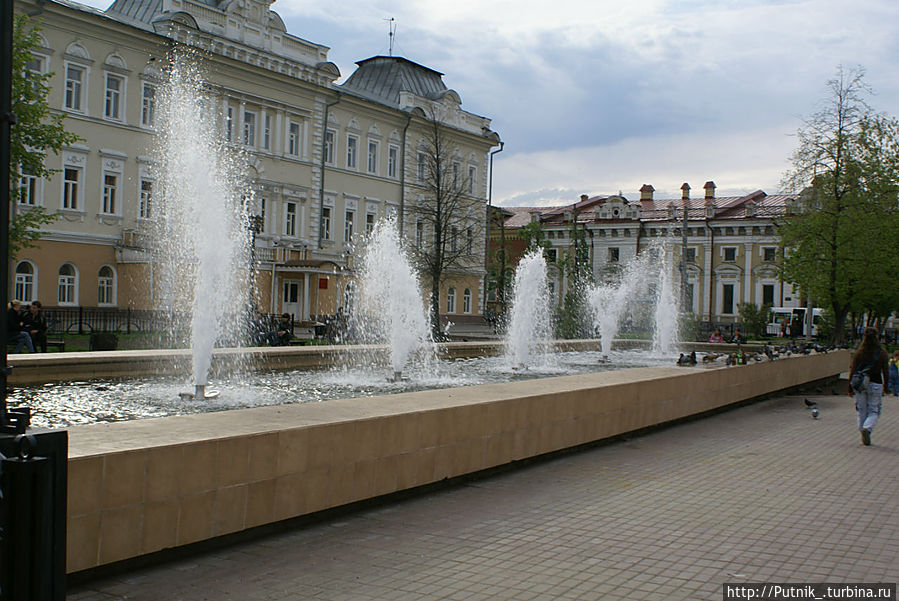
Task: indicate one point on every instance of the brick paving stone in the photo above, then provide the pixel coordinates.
(759, 493)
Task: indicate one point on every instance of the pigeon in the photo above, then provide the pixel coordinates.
(813, 406)
(687, 359)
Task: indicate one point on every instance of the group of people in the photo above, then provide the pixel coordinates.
(26, 327)
(737, 338)
(263, 334)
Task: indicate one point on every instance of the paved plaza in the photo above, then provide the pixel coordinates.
(759, 493)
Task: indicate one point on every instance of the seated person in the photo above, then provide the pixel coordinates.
(284, 332)
(716, 336)
(36, 325)
(15, 328)
(738, 337)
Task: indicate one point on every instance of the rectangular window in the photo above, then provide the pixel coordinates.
(28, 189)
(392, 156)
(148, 105)
(457, 169)
(770, 254)
(290, 219)
(369, 223)
(466, 301)
(550, 255)
(326, 224)
(249, 128)
(267, 132)
(454, 238)
(229, 123)
(469, 241)
(352, 152)
(691, 255)
(472, 179)
(614, 255)
(71, 181)
(768, 294)
(146, 198)
(422, 166)
(110, 192)
(372, 156)
(105, 289)
(451, 300)
(25, 286)
(293, 139)
(74, 87)
(727, 305)
(730, 254)
(348, 226)
(329, 147)
(419, 234)
(66, 289)
(115, 86)
(262, 207)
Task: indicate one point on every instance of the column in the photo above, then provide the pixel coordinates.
(747, 273)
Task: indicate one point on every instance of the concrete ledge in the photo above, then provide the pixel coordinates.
(143, 486)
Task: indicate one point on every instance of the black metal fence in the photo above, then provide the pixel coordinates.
(87, 320)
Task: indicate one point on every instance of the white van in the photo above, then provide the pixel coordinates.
(796, 320)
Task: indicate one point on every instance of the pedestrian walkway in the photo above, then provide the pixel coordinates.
(759, 493)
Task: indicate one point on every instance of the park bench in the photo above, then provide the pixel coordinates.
(59, 343)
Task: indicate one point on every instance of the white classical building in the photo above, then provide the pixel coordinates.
(328, 160)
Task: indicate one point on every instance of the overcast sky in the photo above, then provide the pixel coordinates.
(593, 97)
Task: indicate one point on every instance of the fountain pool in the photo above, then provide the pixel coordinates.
(83, 402)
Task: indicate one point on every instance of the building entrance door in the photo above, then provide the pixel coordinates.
(291, 301)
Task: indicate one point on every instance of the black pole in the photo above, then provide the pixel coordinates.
(6, 121)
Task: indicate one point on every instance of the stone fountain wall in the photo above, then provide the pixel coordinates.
(143, 486)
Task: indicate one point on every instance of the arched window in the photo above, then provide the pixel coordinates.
(106, 286)
(25, 279)
(68, 285)
(466, 301)
(451, 300)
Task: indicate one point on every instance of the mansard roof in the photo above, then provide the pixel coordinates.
(384, 78)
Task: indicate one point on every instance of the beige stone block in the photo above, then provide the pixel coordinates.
(263, 457)
(478, 459)
(326, 445)
(160, 525)
(85, 485)
(316, 490)
(260, 503)
(293, 451)
(121, 533)
(363, 480)
(195, 517)
(385, 478)
(198, 468)
(290, 495)
(423, 462)
(229, 509)
(82, 541)
(342, 485)
(366, 440)
(430, 427)
(233, 463)
(163, 469)
(498, 448)
(399, 434)
(123, 478)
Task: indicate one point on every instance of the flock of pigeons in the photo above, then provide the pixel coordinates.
(769, 353)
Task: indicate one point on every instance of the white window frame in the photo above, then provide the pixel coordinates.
(290, 219)
(370, 220)
(229, 123)
(114, 100)
(466, 301)
(325, 225)
(75, 100)
(33, 187)
(26, 283)
(472, 179)
(352, 151)
(373, 150)
(330, 148)
(110, 197)
(724, 250)
(248, 129)
(422, 166)
(263, 206)
(148, 104)
(71, 286)
(451, 300)
(393, 154)
(145, 198)
(107, 285)
(74, 200)
(349, 218)
(294, 131)
(267, 132)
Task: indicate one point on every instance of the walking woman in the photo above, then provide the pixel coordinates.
(873, 360)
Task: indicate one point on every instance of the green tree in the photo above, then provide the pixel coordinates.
(754, 319)
(36, 131)
(842, 235)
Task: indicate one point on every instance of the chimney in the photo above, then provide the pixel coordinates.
(709, 189)
(584, 198)
(685, 191)
(646, 192)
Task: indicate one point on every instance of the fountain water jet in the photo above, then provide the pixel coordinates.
(202, 234)
(391, 309)
(529, 329)
(665, 339)
(611, 301)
